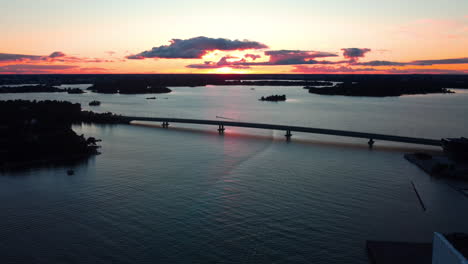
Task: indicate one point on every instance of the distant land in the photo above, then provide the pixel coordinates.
(376, 88)
(348, 85)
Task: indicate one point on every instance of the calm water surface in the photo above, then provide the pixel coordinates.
(188, 195)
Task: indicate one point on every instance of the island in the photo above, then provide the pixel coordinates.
(392, 87)
(94, 103)
(277, 83)
(38, 133)
(374, 85)
(128, 87)
(31, 89)
(274, 98)
(75, 91)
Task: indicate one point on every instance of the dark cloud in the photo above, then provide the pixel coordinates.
(195, 48)
(381, 63)
(443, 61)
(205, 65)
(135, 57)
(302, 53)
(252, 56)
(18, 57)
(34, 68)
(293, 57)
(353, 54)
(68, 59)
(330, 69)
(346, 69)
(276, 57)
(425, 71)
(57, 54)
(415, 63)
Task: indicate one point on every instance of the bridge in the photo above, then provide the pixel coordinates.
(288, 129)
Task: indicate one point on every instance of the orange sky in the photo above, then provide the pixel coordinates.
(99, 36)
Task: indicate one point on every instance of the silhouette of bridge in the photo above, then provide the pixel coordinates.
(288, 129)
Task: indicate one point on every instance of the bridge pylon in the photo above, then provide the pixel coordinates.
(288, 135)
(221, 129)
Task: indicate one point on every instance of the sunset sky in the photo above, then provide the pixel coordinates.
(208, 36)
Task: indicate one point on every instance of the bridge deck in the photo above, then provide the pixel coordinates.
(333, 132)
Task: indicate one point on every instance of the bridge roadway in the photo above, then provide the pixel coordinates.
(288, 129)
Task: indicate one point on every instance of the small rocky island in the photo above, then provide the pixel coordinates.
(94, 103)
(392, 87)
(274, 98)
(128, 87)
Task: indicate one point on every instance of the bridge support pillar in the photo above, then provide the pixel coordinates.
(288, 135)
(221, 129)
(165, 124)
(371, 143)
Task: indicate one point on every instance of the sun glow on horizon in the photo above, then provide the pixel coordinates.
(226, 70)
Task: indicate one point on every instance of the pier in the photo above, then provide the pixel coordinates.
(371, 137)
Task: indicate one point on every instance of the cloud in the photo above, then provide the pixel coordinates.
(353, 54)
(135, 57)
(415, 63)
(70, 59)
(34, 68)
(18, 57)
(196, 48)
(252, 56)
(381, 63)
(291, 57)
(223, 62)
(346, 69)
(57, 54)
(276, 57)
(443, 61)
(330, 69)
(426, 71)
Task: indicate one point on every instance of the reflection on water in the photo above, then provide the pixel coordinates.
(188, 195)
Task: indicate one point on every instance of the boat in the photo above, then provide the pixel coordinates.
(457, 148)
(94, 103)
(70, 172)
(150, 98)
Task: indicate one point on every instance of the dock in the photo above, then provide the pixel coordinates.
(385, 252)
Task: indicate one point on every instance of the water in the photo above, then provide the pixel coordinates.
(188, 195)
